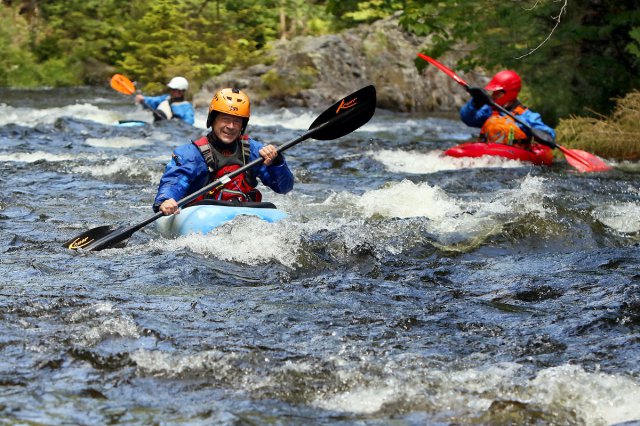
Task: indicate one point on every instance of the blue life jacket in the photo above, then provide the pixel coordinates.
(182, 109)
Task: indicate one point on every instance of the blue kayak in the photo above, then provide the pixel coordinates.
(205, 216)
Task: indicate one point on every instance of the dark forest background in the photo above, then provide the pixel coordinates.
(575, 56)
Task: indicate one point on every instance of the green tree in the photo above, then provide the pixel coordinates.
(161, 44)
(66, 42)
(85, 35)
(558, 47)
(355, 12)
(18, 64)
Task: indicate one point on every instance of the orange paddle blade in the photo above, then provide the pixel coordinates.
(122, 84)
(584, 161)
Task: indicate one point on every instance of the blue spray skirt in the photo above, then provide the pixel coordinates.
(208, 215)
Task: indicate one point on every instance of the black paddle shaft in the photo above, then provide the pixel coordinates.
(340, 119)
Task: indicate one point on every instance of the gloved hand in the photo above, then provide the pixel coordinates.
(480, 96)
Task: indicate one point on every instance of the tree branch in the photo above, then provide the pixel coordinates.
(563, 10)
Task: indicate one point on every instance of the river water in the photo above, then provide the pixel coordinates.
(404, 288)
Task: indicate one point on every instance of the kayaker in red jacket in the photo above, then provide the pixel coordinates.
(222, 151)
(495, 126)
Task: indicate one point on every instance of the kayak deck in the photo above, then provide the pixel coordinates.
(131, 123)
(537, 154)
(205, 216)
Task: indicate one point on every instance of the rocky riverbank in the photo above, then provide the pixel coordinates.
(315, 71)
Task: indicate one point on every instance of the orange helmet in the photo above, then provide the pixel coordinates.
(232, 102)
(507, 81)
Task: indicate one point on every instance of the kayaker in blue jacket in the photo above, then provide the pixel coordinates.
(495, 126)
(222, 151)
(166, 107)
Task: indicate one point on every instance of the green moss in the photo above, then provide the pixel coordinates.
(281, 85)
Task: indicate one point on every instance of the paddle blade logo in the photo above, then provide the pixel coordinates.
(79, 243)
(347, 104)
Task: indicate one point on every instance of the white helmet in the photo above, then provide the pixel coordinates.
(178, 83)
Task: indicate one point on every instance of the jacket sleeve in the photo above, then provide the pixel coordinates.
(184, 111)
(153, 101)
(185, 173)
(474, 117)
(278, 177)
(535, 121)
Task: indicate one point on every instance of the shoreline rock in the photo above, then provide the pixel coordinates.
(314, 72)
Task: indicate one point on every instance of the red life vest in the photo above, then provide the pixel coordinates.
(241, 187)
(503, 129)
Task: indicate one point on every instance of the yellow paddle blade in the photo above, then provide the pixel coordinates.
(122, 84)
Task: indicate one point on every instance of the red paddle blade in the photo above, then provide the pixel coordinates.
(122, 84)
(445, 69)
(584, 161)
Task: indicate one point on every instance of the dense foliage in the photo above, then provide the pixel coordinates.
(574, 56)
(75, 42)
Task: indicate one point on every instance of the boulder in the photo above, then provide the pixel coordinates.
(315, 71)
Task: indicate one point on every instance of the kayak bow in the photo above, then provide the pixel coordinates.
(206, 216)
(539, 154)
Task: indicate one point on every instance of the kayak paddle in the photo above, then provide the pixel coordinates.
(340, 119)
(122, 84)
(581, 160)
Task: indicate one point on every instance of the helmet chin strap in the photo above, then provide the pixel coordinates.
(217, 143)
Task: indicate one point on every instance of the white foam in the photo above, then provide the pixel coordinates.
(568, 391)
(123, 326)
(454, 223)
(398, 161)
(284, 118)
(407, 199)
(117, 142)
(597, 398)
(103, 321)
(362, 400)
(32, 157)
(246, 239)
(92, 311)
(432, 128)
(32, 117)
(174, 364)
(122, 166)
(623, 217)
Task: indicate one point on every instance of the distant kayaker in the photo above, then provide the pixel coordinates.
(172, 105)
(222, 151)
(495, 126)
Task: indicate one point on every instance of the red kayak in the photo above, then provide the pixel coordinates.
(538, 154)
